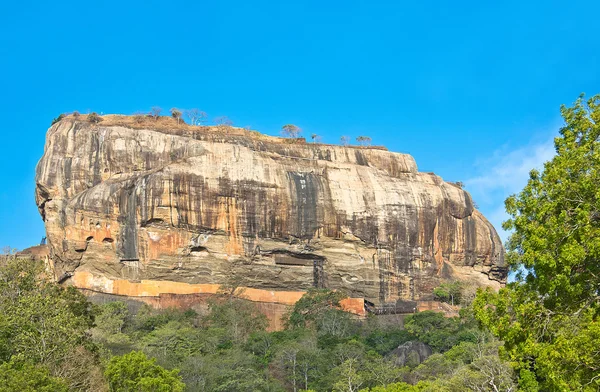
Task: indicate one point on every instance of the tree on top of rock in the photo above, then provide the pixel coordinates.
(176, 114)
(364, 140)
(196, 116)
(290, 130)
(155, 112)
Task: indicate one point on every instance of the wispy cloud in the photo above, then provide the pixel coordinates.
(504, 174)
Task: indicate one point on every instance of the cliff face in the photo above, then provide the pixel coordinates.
(174, 209)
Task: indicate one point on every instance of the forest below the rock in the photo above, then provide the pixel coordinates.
(539, 333)
(54, 338)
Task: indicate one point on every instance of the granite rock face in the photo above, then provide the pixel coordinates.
(201, 205)
(411, 353)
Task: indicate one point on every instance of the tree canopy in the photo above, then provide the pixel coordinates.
(291, 130)
(548, 318)
(136, 372)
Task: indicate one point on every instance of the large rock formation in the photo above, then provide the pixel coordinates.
(148, 207)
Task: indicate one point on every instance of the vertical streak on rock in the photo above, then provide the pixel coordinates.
(95, 159)
(128, 221)
(305, 193)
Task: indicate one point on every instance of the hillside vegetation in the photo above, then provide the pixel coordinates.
(53, 337)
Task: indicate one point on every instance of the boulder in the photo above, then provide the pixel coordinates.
(134, 208)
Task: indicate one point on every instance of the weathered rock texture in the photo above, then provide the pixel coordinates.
(411, 353)
(174, 207)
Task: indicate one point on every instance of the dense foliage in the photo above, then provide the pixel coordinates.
(548, 318)
(52, 338)
(227, 348)
(135, 372)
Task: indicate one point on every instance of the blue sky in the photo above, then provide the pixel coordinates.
(471, 89)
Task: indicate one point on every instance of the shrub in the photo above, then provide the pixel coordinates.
(94, 118)
(76, 114)
(138, 118)
(57, 119)
(28, 377)
(176, 114)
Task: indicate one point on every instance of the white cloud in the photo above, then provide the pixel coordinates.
(504, 174)
(509, 171)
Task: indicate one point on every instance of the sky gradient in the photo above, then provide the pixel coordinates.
(471, 90)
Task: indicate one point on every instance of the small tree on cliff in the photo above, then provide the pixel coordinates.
(155, 112)
(57, 119)
(364, 140)
(223, 123)
(290, 130)
(176, 114)
(94, 118)
(196, 116)
(345, 140)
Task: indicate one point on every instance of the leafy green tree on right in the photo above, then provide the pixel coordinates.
(136, 372)
(548, 318)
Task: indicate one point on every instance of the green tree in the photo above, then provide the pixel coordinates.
(230, 370)
(349, 376)
(25, 377)
(40, 321)
(111, 317)
(46, 324)
(239, 318)
(548, 318)
(172, 342)
(422, 386)
(312, 307)
(438, 331)
(136, 372)
(449, 292)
